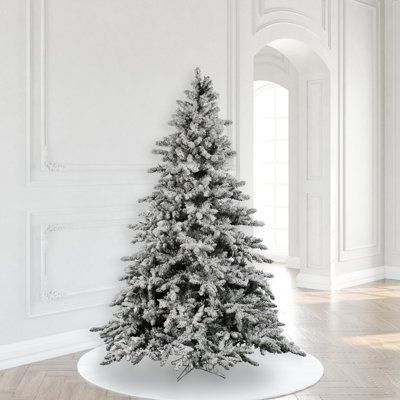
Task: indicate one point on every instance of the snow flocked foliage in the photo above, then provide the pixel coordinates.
(193, 294)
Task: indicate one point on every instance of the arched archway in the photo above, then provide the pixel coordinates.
(271, 65)
(313, 151)
(271, 162)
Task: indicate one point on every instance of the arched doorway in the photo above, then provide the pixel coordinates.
(272, 66)
(311, 222)
(271, 165)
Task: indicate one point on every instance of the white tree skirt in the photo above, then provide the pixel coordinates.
(277, 375)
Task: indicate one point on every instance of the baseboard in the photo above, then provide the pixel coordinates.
(392, 272)
(321, 282)
(28, 351)
(292, 262)
(313, 281)
(276, 258)
(358, 277)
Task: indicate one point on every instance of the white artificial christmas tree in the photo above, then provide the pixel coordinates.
(193, 295)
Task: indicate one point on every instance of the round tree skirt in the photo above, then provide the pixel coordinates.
(277, 375)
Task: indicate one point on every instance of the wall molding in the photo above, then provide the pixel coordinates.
(264, 16)
(313, 281)
(43, 348)
(314, 230)
(358, 277)
(395, 119)
(48, 293)
(345, 252)
(42, 298)
(233, 85)
(392, 272)
(41, 167)
(312, 152)
(351, 279)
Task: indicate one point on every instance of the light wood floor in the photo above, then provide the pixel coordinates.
(354, 332)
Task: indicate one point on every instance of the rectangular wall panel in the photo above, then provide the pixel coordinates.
(74, 258)
(98, 97)
(314, 231)
(315, 128)
(395, 120)
(361, 130)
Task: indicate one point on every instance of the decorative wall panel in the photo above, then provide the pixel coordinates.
(315, 124)
(74, 258)
(314, 231)
(360, 131)
(95, 108)
(395, 120)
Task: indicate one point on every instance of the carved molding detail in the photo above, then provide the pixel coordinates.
(51, 166)
(52, 294)
(48, 294)
(54, 166)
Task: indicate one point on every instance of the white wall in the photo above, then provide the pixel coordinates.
(392, 143)
(76, 139)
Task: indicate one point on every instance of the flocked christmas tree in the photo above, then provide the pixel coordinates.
(193, 294)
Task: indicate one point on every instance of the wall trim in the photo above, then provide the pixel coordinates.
(358, 277)
(42, 298)
(318, 150)
(264, 16)
(233, 86)
(46, 347)
(392, 10)
(313, 281)
(41, 167)
(351, 279)
(37, 52)
(292, 262)
(392, 272)
(314, 223)
(346, 253)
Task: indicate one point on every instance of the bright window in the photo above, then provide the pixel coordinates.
(271, 172)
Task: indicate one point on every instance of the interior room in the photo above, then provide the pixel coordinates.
(285, 112)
